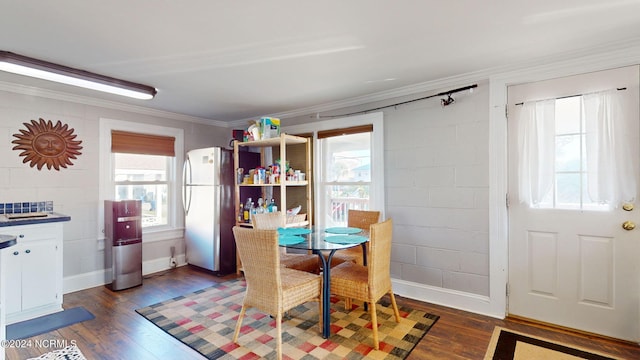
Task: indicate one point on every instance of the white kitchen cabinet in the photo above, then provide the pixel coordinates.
(6, 242)
(33, 271)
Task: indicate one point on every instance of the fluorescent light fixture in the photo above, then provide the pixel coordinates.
(40, 69)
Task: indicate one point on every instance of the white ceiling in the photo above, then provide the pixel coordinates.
(234, 60)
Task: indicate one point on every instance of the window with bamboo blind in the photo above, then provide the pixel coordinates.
(142, 165)
(366, 128)
(146, 144)
(334, 192)
(346, 171)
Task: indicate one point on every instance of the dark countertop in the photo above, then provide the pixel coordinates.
(54, 217)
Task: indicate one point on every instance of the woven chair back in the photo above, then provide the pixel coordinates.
(362, 219)
(258, 250)
(268, 221)
(379, 258)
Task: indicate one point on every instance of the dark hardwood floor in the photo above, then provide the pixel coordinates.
(118, 332)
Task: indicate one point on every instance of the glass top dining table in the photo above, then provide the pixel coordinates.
(324, 241)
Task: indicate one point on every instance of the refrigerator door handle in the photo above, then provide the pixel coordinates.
(186, 199)
(186, 190)
(187, 175)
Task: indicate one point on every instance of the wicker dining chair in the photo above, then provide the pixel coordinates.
(272, 288)
(369, 283)
(361, 219)
(272, 221)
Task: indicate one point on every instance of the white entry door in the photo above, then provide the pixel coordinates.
(571, 263)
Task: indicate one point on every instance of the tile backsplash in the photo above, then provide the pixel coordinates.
(26, 207)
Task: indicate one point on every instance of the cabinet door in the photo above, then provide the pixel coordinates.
(39, 272)
(12, 277)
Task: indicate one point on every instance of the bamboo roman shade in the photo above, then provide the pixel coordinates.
(135, 143)
(345, 131)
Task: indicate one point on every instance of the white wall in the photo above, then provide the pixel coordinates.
(437, 161)
(74, 190)
(437, 192)
(446, 180)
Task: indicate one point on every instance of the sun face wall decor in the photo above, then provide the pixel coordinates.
(45, 144)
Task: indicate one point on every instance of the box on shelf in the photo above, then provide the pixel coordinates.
(269, 127)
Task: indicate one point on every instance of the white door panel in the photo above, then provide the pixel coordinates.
(571, 267)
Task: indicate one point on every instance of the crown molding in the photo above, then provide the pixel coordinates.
(85, 100)
(374, 97)
(622, 53)
(587, 61)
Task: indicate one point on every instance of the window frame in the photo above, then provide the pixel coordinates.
(175, 223)
(168, 162)
(377, 185)
(580, 132)
(326, 185)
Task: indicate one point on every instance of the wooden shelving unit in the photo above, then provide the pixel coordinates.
(279, 147)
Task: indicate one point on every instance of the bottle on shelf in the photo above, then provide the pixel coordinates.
(272, 206)
(241, 213)
(247, 211)
(260, 208)
(252, 211)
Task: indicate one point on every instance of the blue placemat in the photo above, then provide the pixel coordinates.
(345, 239)
(293, 231)
(343, 230)
(290, 239)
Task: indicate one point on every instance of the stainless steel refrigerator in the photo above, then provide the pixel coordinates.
(209, 208)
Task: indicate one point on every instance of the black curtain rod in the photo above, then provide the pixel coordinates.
(444, 93)
(569, 96)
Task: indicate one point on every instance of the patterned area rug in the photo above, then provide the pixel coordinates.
(71, 352)
(205, 321)
(511, 345)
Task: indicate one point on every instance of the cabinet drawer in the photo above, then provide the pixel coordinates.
(33, 232)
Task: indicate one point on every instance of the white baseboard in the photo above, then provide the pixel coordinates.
(98, 278)
(431, 294)
(33, 313)
(161, 264)
(446, 297)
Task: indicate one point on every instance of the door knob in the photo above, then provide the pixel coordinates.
(628, 225)
(627, 207)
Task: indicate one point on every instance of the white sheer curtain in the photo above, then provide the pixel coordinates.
(536, 150)
(611, 171)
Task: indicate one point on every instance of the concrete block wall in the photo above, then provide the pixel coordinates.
(437, 188)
